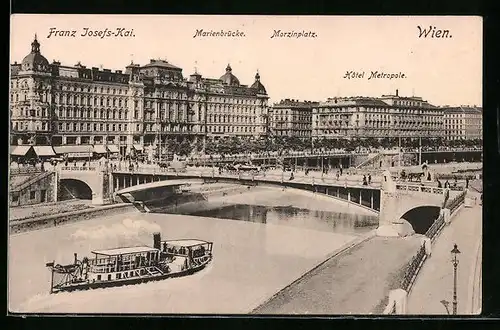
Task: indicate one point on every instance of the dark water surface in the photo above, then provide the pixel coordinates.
(327, 221)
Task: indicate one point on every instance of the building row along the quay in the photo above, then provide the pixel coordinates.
(151, 104)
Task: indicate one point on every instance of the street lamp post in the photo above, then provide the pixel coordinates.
(420, 150)
(399, 153)
(454, 261)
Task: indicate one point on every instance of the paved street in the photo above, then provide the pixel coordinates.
(435, 281)
(354, 282)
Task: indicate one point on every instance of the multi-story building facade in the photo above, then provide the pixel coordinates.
(463, 123)
(228, 108)
(53, 104)
(386, 116)
(291, 118)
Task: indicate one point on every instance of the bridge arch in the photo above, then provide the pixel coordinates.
(421, 217)
(74, 188)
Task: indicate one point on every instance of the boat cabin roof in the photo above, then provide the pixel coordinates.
(186, 242)
(125, 250)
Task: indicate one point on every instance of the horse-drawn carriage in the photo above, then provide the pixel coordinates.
(411, 176)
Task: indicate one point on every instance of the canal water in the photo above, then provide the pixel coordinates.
(263, 241)
(293, 216)
(290, 208)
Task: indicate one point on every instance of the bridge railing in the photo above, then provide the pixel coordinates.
(262, 176)
(426, 189)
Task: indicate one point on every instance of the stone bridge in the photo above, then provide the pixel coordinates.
(93, 179)
(420, 205)
(393, 201)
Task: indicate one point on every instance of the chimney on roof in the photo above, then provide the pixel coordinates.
(397, 92)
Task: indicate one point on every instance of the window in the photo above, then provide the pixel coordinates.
(15, 197)
(32, 194)
(98, 277)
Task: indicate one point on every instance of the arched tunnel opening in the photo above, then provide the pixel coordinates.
(74, 189)
(421, 218)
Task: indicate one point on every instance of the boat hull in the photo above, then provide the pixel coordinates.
(128, 281)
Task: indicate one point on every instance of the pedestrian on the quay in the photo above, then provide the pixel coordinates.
(338, 174)
(466, 183)
(439, 184)
(447, 184)
(369, 178)
(364, 181)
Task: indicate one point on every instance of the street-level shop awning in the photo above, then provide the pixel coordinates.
(138, 147)
(113, 149)
(100, 149)
(44, 151)
(19, 150)
(82, 151)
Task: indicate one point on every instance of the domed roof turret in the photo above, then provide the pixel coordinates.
(229, 78)
(258, 85)
(35, 61)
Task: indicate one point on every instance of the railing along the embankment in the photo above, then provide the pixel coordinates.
(414, 266)
(439, 223)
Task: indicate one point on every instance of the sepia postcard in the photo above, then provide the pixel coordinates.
(250, 165)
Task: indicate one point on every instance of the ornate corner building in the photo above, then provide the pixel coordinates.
(53, 104)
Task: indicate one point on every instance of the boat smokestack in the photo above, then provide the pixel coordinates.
(76, 257)
(157, 241)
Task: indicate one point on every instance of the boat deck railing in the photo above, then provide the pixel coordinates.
(105, 266)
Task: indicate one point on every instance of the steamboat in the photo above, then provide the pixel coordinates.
(132, 265)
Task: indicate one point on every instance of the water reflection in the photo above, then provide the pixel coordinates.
(293, 216)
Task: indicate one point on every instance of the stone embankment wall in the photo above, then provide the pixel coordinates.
(18, 226)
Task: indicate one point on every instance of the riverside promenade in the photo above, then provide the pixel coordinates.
(356, 281)
(434, 283)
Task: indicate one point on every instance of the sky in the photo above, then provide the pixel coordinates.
(444, 71)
